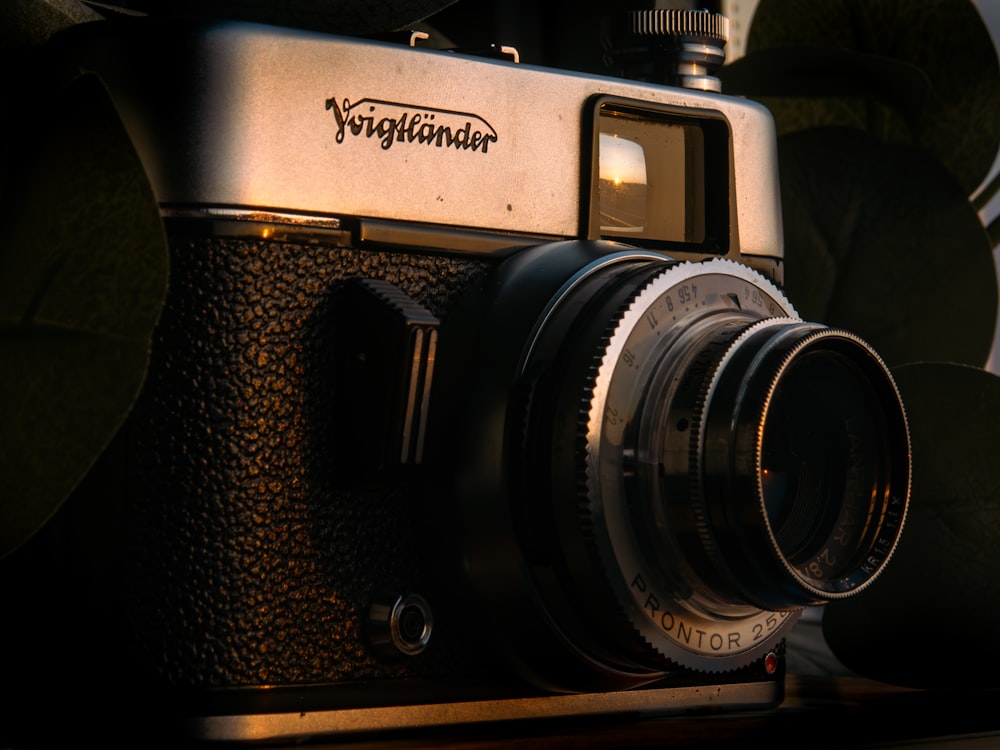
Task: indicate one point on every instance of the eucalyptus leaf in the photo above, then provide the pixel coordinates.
(882, 241)
(26, 23)
(798, 70)
(931, 618)
(946, 39)
(335, 16)
(83, 269)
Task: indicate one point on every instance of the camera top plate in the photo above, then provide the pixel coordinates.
(245, 115)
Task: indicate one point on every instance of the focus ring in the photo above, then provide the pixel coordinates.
(640, 527)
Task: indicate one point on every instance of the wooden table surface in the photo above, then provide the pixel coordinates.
(820, 712)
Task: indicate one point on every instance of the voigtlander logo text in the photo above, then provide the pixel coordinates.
(394, 122)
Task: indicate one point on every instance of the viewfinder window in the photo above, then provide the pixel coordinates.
(650, 181)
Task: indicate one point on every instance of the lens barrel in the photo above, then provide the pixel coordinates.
(688, 464)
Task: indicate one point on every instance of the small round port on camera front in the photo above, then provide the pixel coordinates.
(399, 625)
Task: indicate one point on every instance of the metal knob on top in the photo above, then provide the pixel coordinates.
(686, 46)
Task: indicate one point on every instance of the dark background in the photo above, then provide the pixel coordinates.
(889, 118)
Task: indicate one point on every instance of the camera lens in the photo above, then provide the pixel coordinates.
(822, 428)
(819, 469)
(687, 464)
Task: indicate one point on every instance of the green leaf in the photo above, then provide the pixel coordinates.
(931, 618)
(821, 72)
(25, 23)
(945, 39)
(882, 241)
(83, 269)
(340, 17)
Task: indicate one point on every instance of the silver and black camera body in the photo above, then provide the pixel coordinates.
(475, 395)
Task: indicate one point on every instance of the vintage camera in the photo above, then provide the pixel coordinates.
(475, 395)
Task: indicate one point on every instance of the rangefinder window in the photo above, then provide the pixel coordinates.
(657, 178)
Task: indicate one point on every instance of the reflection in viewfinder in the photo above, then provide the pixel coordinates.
(622, 186)
(650, 178)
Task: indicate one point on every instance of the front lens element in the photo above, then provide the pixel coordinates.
(827, 468)
(807, 503)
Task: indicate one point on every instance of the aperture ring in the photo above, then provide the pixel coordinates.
(688, 624)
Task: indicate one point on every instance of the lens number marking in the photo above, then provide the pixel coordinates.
(756, 298)
(771, 621)
(703, 635)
